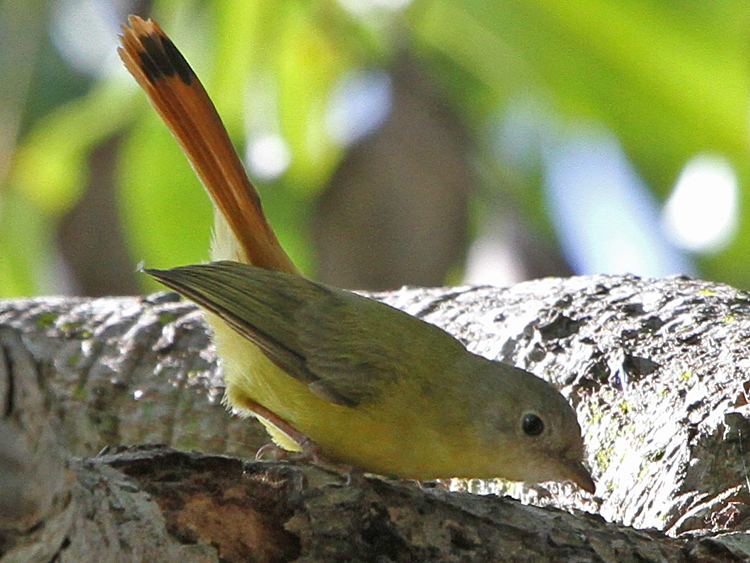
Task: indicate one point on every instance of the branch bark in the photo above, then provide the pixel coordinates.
(657, 370)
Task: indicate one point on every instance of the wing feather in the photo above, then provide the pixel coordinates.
(346, 347)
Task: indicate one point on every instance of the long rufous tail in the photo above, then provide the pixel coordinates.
(178, 96)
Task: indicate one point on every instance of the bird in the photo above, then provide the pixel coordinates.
(330, 373)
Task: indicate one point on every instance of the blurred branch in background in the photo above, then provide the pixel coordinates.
(521, 139)
(90, 233)
(395, 211)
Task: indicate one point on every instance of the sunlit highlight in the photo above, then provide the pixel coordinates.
(702, 213)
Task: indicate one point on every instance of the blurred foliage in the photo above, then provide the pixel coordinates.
(668, 78)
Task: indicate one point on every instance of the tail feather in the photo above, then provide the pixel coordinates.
(178, 96)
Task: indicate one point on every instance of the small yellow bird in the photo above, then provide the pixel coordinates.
(328, 371)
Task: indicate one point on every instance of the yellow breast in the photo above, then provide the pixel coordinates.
(391, 436)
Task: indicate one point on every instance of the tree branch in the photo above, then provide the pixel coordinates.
(656, 369)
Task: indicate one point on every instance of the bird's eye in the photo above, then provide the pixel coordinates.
(532, 425)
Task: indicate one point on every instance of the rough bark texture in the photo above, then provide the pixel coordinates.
(656, 369)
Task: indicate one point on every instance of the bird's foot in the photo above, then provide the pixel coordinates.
(309, 453)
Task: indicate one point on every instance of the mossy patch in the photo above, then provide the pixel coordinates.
(46, 320)
(167, 317)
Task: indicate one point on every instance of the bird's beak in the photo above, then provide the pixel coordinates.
(581, 476)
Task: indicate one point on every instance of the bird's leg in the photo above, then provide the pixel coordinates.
(309, 450)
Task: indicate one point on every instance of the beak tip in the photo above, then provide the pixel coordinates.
(582, 478)
(587, 485)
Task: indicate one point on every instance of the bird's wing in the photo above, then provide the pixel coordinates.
(346, 347)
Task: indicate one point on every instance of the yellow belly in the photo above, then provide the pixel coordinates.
(388, 436)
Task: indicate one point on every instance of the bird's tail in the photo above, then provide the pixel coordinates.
(242, 232)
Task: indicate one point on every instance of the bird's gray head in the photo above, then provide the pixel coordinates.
(534, 427)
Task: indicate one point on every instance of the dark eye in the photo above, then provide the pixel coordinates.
(532, 425)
